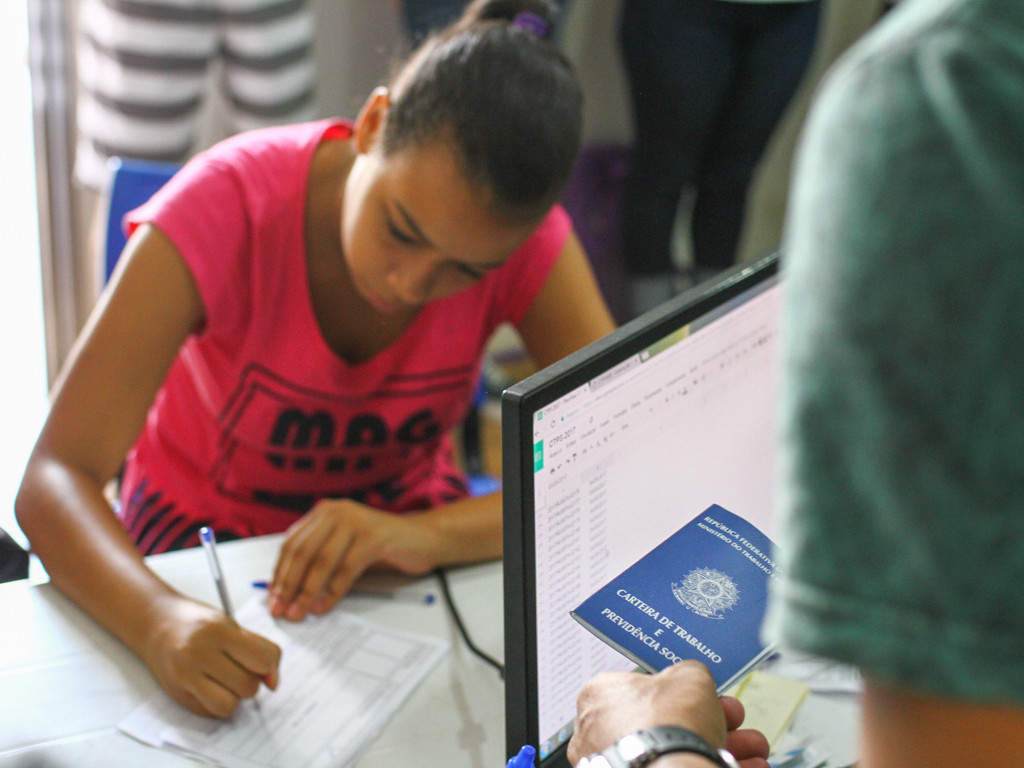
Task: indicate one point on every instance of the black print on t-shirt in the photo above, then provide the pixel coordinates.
(298, 430)
(286, 445)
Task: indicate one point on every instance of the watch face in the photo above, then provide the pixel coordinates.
(633, 746)
(640, 748)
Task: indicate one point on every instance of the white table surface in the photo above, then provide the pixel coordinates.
(65, 683)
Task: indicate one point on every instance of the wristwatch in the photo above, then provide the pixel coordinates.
(640, 748)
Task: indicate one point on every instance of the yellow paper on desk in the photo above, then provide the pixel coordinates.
(770, 703)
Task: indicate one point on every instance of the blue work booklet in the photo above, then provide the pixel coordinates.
(700, 594)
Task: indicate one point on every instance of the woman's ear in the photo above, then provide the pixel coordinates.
(370, 124)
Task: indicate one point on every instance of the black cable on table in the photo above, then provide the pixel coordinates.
(442, 577)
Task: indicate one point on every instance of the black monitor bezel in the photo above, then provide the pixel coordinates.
(518, 404)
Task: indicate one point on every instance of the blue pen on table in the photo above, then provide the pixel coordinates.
(522, 760)
(209, 543)
(381, 593)
(792, 759)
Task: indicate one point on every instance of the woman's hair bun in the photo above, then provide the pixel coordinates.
(535, 16)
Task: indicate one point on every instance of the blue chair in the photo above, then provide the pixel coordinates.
(132, 182)
(14, 560)
(479, 482)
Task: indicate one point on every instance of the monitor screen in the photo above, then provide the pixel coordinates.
(608, 452)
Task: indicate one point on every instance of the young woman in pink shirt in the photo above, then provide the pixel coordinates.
(296, 325)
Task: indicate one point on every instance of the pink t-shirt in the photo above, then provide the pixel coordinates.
(258, 418)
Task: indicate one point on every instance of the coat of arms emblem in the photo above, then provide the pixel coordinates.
(706, 592)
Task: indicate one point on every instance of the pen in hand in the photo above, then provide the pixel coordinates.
(209, 543)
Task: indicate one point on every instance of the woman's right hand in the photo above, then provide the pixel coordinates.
(204, 660)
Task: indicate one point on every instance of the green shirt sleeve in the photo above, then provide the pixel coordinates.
(903, 365)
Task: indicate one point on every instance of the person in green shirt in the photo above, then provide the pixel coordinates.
(902, 440)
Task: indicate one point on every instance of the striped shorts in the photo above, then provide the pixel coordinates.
(144, 69)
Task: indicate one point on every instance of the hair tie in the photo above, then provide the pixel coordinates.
(531, 22)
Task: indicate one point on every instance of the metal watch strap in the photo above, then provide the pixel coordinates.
(638, 749)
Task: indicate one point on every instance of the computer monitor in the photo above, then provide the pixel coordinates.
(609, 451)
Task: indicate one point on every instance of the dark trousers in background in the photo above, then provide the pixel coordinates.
(421, 17)
(709, 81)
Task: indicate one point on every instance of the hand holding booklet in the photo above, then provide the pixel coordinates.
(700, 594)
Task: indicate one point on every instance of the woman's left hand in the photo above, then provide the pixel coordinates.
(337, 540)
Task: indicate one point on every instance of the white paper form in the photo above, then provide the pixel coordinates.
(342, 679)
